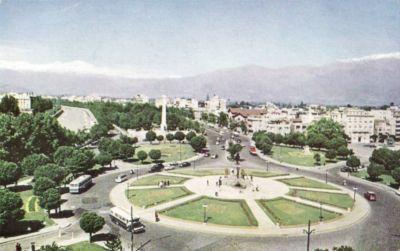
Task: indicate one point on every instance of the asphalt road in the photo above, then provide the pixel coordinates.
(379, 231)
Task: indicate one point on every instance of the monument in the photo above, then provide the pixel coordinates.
(163, 125)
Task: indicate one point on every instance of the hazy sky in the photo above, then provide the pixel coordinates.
(180, 38)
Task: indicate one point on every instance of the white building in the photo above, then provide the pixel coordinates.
(141, 99)
(216, 105)
(190, 103)
(24, 100)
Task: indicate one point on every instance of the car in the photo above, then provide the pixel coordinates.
(206, 154)
(222, 147)
(345, 169)
(169, 167)
(217, 142)
(184, 164)
(371, 196)
(156, 168)
(238, 141)
(397, 192)
(132, 171)
(121, 178)
(214, 156)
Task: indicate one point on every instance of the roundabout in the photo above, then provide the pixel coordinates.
(249, 202)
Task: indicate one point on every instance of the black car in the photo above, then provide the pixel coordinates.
(156, 168)
(345, 169)
(184, 164)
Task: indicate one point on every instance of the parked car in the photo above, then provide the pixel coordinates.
(371, 196)
(214, 156)
(184, 164)
(222, 147)
(169, 167)
(206, 154)
(156, 168)
(217, 142)
(131, 171)
(397, 192)
(121, 178)
(345, 169)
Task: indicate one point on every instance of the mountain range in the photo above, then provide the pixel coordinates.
(365, 81)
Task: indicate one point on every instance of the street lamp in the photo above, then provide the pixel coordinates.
(355, 191)
(205, 212)
(308, 232)
(320, 212)
(267, 165)
(326, 177)
(137, 173)
(127, 189)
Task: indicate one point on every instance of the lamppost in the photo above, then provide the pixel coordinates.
(308, 232)
(267, 165)
(205, 212)
(137, 173)
(326, 177)
(355, 191)
(320, 212)
(180, 151)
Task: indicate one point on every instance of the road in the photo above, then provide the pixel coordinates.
(75, 119)
(379, 231)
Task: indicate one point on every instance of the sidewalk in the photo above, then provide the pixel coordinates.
(376, 184)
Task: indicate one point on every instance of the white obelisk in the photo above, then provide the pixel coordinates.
(163, 126)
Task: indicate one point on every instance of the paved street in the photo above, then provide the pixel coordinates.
(379, 231)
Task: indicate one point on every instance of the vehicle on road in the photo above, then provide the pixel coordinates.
(253, 150)
(80, 184)
(123, 219)
(206, 154)
(222, 147)
(214, 156)
(184, 164)
(371, 196)
(345, 169)
(131, 171)
(169, 167)
(121, 178)
(397, 192)
(156, 168)
(217, 142)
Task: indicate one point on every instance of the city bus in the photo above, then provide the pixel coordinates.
(80, 184)
(124, 220)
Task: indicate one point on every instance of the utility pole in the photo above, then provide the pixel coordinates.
(308, 232)
(131, 229)
(326, 177)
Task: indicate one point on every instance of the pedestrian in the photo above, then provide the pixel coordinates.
(251, 178)
(156, 216)
(167, 182)
(18, 247)
(208, 182)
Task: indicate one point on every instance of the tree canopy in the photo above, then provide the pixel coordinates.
(91, 223)
(9, 105)
(10, 208)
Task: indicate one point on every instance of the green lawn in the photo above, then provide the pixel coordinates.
(296, 156)
(304, 182)
(262, 173)
(153, 180)
(199, 172)
(32, 209)
(169, 152)
(384, 178)
(221, 212)
(86, 246)
(154, 196)
(287, 212)
(334, 199)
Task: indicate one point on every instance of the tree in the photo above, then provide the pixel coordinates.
(114, 244)
(343, 248)
(155, 154)
(50, 199)
(330, 154)
(198, 143)
(234, 149)
(51, 171)
(54, 247)
(386, 157)
(243, 127)
(160, 138)
(317, 140)
(142, 155)
(266, 148)
(126, 151)
(9, 173)
(204, 116)
(91, 223)
(103, 159)
(98, 131)
(374, 170)
(128, 140)
(40, 104)
(62, 153)
(343, 152)
(31, 162)
(223, 119)
(396, 174)
(170, 137)
(151, 136)
(179, 136)
(9, 105)
(190, 135)
(10, 208)
(317, 158)
(42, 184)
(80, 161)
(353, 162)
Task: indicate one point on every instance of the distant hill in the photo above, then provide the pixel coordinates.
(370, 81)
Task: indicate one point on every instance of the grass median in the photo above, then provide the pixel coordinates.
(154, 180)
(154, 196)
(307, 183)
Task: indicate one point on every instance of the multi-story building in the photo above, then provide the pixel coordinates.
(396, 117)
(216, 105)
(190, 103)
(23, 99)
(141, 99)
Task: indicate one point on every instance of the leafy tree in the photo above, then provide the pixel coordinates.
(114, 244)
(110, 146)
(151, 136)
(266, 148)
(353, 162)
(330, 154)
(128, 140)
(9, 173)
(317, 140)
(126, 151)
(386, 157)
(98, 131)
(198, 143)
(142, 155)
(170, 137)
(50, 199)
(343, 152)
(54, 247)
(80, 161)
(223, 119)
(40, 104)
(243, 127)
(327, 128)
(396, 174)
(104, 159)
(9, 105)
(317, 158)
(343, 248)
(374, 170)
(179, 136)
(155, 154)
(31, 162)
(234, 149)
(233, 125)
(10, 208)
(51, 171)
(42, 184)
(62, 154)
(160, 138)
(204, 116)
(190, 135)
(91, 223)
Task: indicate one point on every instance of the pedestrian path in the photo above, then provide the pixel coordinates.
(263, 220)
(319, 190)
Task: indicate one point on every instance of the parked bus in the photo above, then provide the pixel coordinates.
(80, 184)
(124, 220)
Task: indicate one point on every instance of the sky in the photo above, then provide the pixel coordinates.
(167, 38)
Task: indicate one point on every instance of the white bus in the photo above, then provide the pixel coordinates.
(123, 219)
(79, 184)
